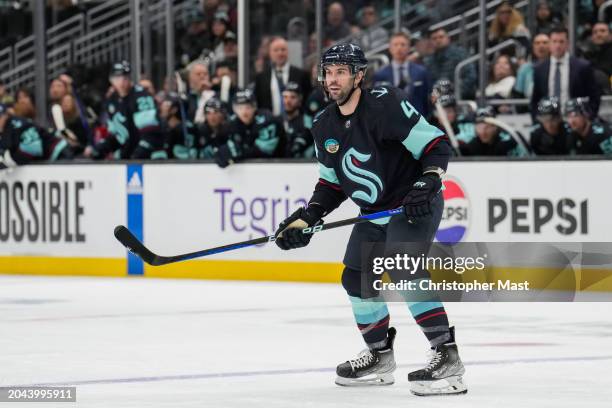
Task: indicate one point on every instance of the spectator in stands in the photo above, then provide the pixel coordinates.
(371, 37)
(508, 23)
(412, 78)
(524, 78)
(195, 40)
(491, 140)
(564, 76)
(57, 90)
(199, 90)
(551, 135)
(24, 104)
(546, 17)
(421, 48)
(220, 27)
(446, 56)
(230, 46)
(270, 84)
(76, 133)
(590, 136)
(599, 49)
(502, 79)
(336, 27)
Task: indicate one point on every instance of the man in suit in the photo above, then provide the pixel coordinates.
(270, 84)
(413, 78)
(564, 76)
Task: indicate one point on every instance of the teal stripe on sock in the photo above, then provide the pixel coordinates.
(368, 311)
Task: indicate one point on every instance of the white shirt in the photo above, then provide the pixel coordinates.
(564, 69)
(277, 98)
(502, 88)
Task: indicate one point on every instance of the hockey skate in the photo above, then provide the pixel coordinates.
(443, 375)
(371, 367)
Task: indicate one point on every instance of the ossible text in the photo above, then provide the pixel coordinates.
(427, 285)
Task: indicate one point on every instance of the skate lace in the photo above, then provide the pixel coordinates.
(364, 358)
(434, 359)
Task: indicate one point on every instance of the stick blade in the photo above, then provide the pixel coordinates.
(132, 243)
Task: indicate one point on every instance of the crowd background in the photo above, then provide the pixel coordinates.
(202, 113)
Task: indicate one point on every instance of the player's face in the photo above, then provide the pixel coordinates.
(121, 83)
(551, 124)
(486, 132)
(451, 114)
(577, 122)
(338, 81)
(292, 101)
(214, 118)
(245, 112)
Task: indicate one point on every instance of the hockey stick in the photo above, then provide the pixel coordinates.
(132, 243)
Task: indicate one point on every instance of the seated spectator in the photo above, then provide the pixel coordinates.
(200, 90)
(299, 142)
(270, 84)
(508, 23)
(551, 135)
(22, 142)
(502, 79)
(491, 140)
(590, 136)
(564, 76)
(420, 49)
(546, 17)
(371, 37)
(410, 77)
(220, 27)
(336, 28)
(252, 133)
(195, 40)
(213, 132)
(24, 104)
(57, 90)
(524, 78)
(599, 49)
(76, 133)
(230, 46)
(446, 56)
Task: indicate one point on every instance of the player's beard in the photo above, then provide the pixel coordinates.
(339, 95)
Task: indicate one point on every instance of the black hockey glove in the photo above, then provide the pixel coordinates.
(289, 234)
(226, 154)
(417, 203)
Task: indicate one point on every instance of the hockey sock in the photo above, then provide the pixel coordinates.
(372, 319)
(432, 319)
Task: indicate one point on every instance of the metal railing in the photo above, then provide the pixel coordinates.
(474, 58)
(6, 59)
(601, 15)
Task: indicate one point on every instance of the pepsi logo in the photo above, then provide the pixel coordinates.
(456, 216)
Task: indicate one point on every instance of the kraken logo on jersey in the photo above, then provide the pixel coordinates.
(116, 127)
(361, 176)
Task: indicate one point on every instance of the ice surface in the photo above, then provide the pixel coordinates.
(186, 343)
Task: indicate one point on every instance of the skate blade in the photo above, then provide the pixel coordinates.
(446, 386)
(367, 381)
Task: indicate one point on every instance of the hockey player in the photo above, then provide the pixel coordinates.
(296, 125)
(374, 147)
(463, 128)
(252, 133)
(590, 136)
(551, 135)
(491, 140)
(22, 142)
(213, 132)
(133, 121)
(181, 135)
